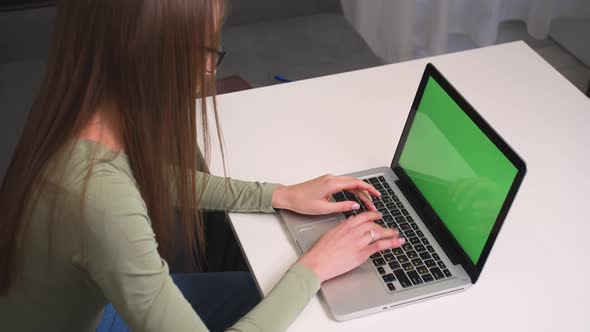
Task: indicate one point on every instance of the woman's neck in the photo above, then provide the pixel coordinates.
(104, 128)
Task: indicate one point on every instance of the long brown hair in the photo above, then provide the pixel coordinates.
(149, 58)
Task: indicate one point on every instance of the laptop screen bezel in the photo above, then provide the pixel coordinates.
(419, 203)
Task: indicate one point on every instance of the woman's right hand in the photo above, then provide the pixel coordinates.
(348, 245)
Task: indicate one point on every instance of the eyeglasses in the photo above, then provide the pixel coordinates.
(219, 53)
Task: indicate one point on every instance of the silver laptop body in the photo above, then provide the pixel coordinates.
(361, 292)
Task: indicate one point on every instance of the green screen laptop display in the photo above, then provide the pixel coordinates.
(464, 177)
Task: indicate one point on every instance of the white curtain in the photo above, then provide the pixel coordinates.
(399, 30)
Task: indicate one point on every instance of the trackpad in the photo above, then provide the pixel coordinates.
(307, 235)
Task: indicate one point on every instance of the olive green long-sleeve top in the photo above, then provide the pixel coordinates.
(107, 252)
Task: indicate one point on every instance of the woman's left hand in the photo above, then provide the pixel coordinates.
(313, 197)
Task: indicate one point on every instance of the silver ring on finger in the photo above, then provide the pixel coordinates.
(372, 236)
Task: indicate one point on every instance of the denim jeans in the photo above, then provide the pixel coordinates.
(219, 298)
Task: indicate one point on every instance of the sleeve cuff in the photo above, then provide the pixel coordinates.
(307, 276)
(267, 190)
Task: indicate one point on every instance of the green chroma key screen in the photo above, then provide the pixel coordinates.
(458, 170)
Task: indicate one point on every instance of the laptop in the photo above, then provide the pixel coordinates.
(448, 191)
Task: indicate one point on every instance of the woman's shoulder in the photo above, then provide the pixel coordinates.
(83, 160)
(95, 174)
(113, 210)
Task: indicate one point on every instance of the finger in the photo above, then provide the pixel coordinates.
(383, 244)
(378, 231)
(340, 183)
(363, 218)
(364, 196)
(333, 207)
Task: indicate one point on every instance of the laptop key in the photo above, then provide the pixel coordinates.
(425, 241)
(386, 199)
(417, 262)
(387, 218)
(403, 259)
(405, 227)
(414, 226)
(400, 205)
(391, 287)
(414, 240)
(379, 261)
(425, 255)
(390, 192)
(427, 277)
(339, 197)
(415, 278)
(391, 206)
(437, 273)
(402, 278)
(420, 234)
(436, 257)
(385, 252)
(397, 251)
(349, 195)
(386, 185)
(430, 249)
(374, 181)
(376, 255)
(378, 187)
(379, 205)
(388, 277)
(419, 248)
(422, 269)
(447, 273)
(405, 212)
(395, 198)
(408, 267)
(381, 270)
(389, 258)
(383, 210)
(407, 247)
(392, 225)
(430, 263)
(395, 213)
(442, 265)
(394, 265)
(411, 254)
(410, 219)
(400, 219)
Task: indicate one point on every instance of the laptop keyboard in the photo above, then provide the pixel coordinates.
(413, 264)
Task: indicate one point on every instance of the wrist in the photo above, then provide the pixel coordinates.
(308, 262)
(280, 198)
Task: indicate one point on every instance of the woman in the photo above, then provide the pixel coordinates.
(108, 152)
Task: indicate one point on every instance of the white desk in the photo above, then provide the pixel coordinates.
(536, 276)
